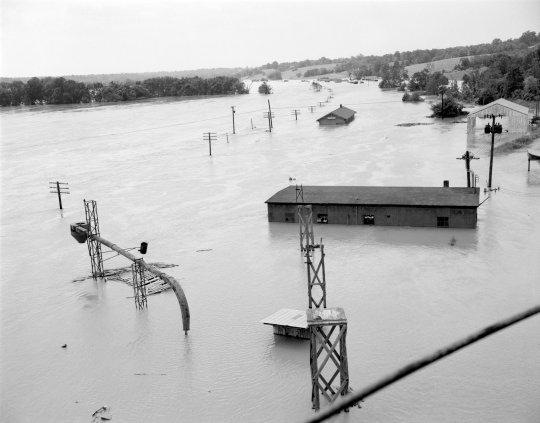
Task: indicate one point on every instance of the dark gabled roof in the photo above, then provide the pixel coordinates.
(380, 196)
(342, 112)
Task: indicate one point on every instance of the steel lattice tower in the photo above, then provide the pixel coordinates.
(94, 247)
(305, 218)
(328, 354)
(139, 284)
(316, 278)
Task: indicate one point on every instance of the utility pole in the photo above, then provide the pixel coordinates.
(233, 112)
(495, 128)
(295, 112)
(209, 136)
(442, 90)
(270, 115)
(59, 190)
(311, 108)
(468, 156)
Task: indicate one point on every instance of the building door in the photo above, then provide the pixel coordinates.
(369, 219)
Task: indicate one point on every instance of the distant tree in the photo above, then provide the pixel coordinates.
(514, 81)
(276, 75)
(466, 93)
(5, 96)
(451, 108)
(414, 97)
(453, 89)
(316, 86)
(418, 81)
(529, 38)
(33, 91)
(530, 88)
(434, 81)
(391, 77)
(264, 88)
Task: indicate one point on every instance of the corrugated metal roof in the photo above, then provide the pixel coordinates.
(342, 112)
(379, 196)
(501, 102)
(287, 317)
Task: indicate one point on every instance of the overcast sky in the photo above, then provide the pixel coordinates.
(66, 37)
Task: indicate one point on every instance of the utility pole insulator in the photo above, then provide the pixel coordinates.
(209, 136)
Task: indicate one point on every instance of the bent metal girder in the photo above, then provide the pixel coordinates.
(80, 233)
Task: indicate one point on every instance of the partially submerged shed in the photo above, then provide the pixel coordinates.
(289, 322)
(388, 206)
(340, 116)
(518, 116)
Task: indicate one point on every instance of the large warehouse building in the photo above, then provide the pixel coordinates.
(443, 207)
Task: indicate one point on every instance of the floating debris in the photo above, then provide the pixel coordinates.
(154, 285)
(199, 251)
(414, 124)
(103, 413)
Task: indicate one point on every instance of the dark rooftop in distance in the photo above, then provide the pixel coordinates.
(380, 196)
(342, 112)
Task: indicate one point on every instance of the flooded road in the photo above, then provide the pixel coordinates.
(405, 291)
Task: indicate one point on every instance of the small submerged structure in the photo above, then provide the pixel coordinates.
(341, 116)
(289, 322)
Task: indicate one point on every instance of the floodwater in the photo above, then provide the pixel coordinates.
(406, 291)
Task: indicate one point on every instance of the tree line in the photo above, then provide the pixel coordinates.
(361, 66)
(500, 76)
(59, 90)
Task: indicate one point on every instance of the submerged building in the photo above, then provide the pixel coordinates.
(442, 207)
(340, 116)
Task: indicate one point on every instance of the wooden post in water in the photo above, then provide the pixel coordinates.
(328, 354)
(210, 136)
(270, 116)
(60, 188)
(468, 156)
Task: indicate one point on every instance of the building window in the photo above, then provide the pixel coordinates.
(289, 217)
(369, 219)
(322, 218)
(442, 221)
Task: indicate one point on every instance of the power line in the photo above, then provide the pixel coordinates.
(355, 397)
